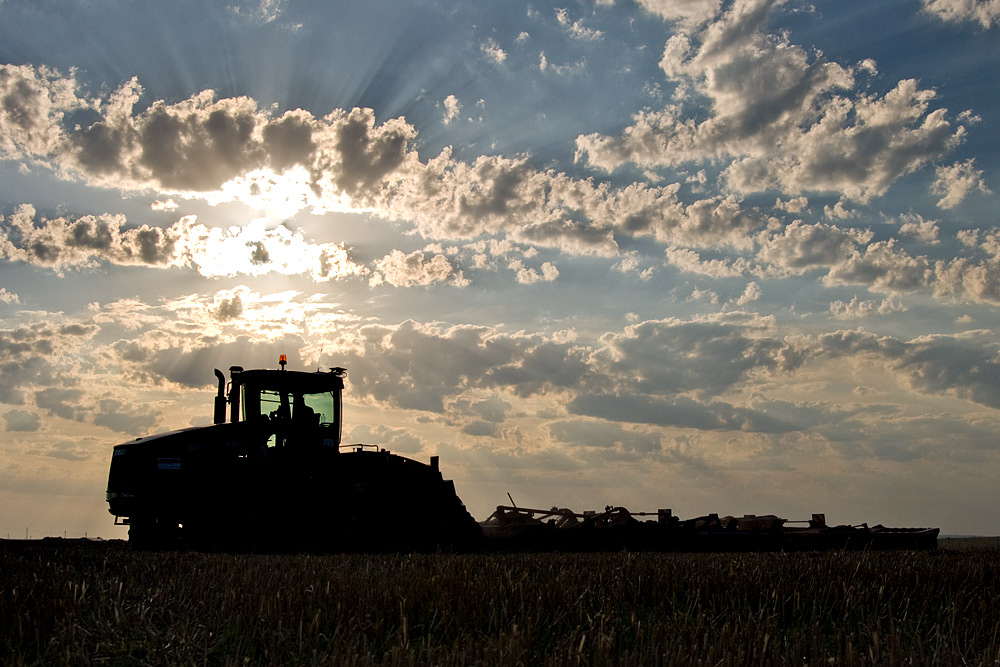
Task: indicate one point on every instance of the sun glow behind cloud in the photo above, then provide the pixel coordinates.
(256, 250)
(275, 196)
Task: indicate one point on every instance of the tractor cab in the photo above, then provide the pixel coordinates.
(293, 407)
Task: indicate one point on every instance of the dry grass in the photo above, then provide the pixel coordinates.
(78, 603)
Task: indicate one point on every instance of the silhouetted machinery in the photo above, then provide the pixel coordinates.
(275, 476)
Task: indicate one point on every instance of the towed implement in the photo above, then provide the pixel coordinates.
(271, 474)
(560, 529)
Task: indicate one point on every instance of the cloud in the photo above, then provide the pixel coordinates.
(168, 205)
(800, 247)
(783, 118)
(493, 409)
(692, 262)
(265, 11)
(493, 52)
(22, 420)
(966, 280)
(704, 357)
(417, 268)
(883, 267)
(529, 276)
(963, 365)
(33, 104)
(915, 226)
(9, 298)
(391, 364)
(31, 356)
(62, 243)
(394, 439)
(65, 450)
(195, 145)
(750, 294)
(230, 150)
(695, 374)
(561, 70)
(576, 29)
(229, 309)
(954, 183)
(134, 419)
(689, 13)
(985, 12)
(679, 412)
(857, 308)
(670, 366)
(607, 437)
(88, 241)
(451, 108)
(60, 402)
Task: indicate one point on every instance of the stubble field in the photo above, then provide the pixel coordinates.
(68, 602)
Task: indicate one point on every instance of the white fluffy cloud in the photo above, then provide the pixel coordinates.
(452, 107)
(416, 268)
(8, 297)
(689, 13)
(576, 29)
(857, 308)
(35, 102)
(955, 182)
(984, 12)
(785, 119)
(527, 275)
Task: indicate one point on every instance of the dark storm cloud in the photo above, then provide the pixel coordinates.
(199, 150)
(963, 365)
(101, 149)
(606, 436)
(61, 402)
(493, 410)
(393, 363)
(367, 155)
(705, 357)
(482, 429)
(393, 366)
(229, 309)
(679, 412)
(26, 361)
(22, 420)
(65, 450)
(289, 141)
(133, 420)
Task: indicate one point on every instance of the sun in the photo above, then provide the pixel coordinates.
(273, 196)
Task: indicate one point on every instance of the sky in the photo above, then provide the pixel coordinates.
(733, 256)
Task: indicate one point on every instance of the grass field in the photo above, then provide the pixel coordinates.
(68, 602)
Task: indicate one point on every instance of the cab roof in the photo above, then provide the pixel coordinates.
(291, 381)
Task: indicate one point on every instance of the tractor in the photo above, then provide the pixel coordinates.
(271, 474)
